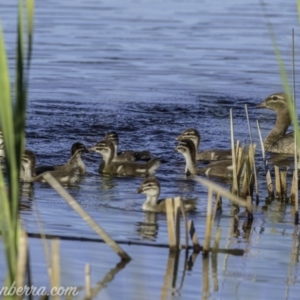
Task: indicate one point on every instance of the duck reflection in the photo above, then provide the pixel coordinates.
(26, 195)
(149, 228)
(27, 190)
(107, 182)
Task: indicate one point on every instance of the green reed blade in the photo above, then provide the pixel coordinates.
(30, 24)
(284, 76)
(13, 117)
(298, 5)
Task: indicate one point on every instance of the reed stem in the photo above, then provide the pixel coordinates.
(88, 289)
(267, 171)
(233, 152)
(85, 216)
(252, 159)
(206, 244)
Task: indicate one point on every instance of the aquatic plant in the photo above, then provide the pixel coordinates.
(291, 97)
(12, 120)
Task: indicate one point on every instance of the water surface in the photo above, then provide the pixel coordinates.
(149, 70)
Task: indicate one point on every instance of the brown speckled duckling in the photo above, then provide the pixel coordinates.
(205, 155)
(68, 174)
(77, 150)
(221, 169)
(107, 150)
(151, 188)
(128, 155)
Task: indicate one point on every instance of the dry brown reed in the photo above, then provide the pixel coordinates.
(55, 266)
(280, 183)
(206, 244)
(22, 262)
(205, 278)
(174, 208)
(217, 240)
(88, 289)
(233, 152)
(294, 186)
(252, 156)
(223, 192)
(283, 183)
(85, 216)
(170, 223)
(267, 171)
(277, 182)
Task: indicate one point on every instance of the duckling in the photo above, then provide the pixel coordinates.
(205, 155)
(2, 154)
(277, 140)
(107, 150)
(68, 174)
(151, 187)
(77, 150)
(221, 168)
(128, 155)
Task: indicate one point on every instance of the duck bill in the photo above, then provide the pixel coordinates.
(85, 150)
(139, 190)
(92, 149)
(178, 148)
(262, 104)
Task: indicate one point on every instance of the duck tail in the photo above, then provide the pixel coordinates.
(153, 165)
(142, 155)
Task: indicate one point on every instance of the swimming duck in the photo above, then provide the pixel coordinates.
(67, 174)
(107, 150)
(205, 155)
(151, 187)
(277, 140)
(128, 155)
(221, 168)
(77, 150)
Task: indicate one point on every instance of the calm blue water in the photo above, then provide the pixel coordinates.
(149, 70)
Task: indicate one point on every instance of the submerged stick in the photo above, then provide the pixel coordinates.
(253, 160)
(85, 216)
(267, 171)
